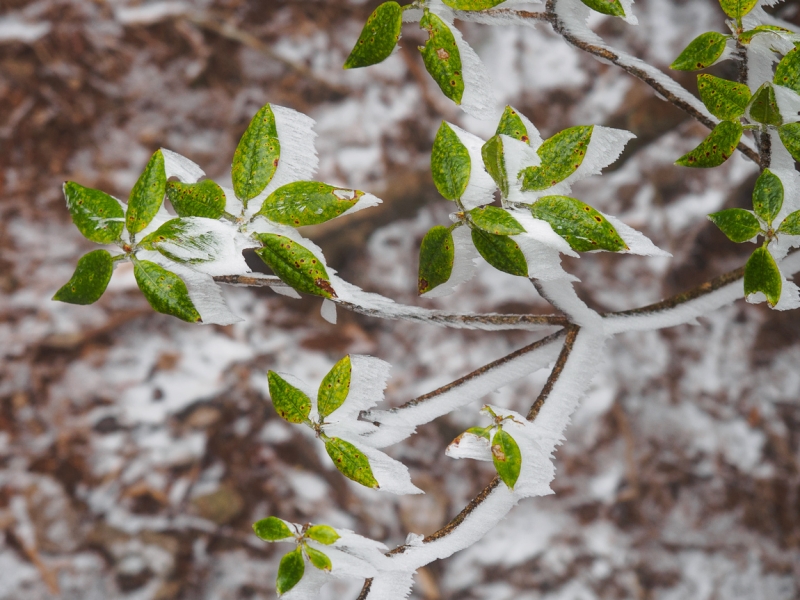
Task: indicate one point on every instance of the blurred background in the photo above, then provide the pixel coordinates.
(136, 450)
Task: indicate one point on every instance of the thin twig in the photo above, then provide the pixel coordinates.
(558, 368)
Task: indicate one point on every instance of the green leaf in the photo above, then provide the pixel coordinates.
(579, 224)
(165, 291)
(351, 462)
(561, 156)
(378, 38)
(764, 107)
(308, 203)
(761, 274)
(322, 534)
(702, 52)
(501, 252)
(204, 199)
(607, 7)
(472, 4)
(483, 432)
(295, 265)
(495, 220)
(290, 571)
(290, 403)
(494, 159)
(513, 126)
(450, 163)
(506, 457)
(98, 216)
(436, 256)
(441, 56)
(716, 148)
(334, 387)
(178, 232)
(724, 99)
(90, 279)
(147, 195)
(319, 559)
(790, 136)
(738, 224)
(791, 224)
(736, 9)
(768, 196)
(747, 36)
(272, 529)
(256, 157)
(787, 72)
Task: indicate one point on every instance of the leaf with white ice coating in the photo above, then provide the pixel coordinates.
(290, 403)
(561, 156)
(351, 462)
(761, 274)
(584, 228)
(442, 57)
(334, 387)
(295, 265)
(257, 156)
(165, 291)
(98, 216)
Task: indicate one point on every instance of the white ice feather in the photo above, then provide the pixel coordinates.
(392, 476)
(298, 159)
(470, 445)
(629, 17)
(366, 201)
(368, 377)
(788, 103)
(286, 291)
(518, 156)
(233, 205)
(181, 167)
(542, 248)
(481, 186)
(637, 242)
(391, 585)
(464, 264)
(328, 311)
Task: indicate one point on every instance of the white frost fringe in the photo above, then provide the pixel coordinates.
(181, 167)
(481, 186)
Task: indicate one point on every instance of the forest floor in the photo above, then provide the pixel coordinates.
(136, 450)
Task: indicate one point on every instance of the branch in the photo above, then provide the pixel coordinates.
(558, 369)
(396, 311)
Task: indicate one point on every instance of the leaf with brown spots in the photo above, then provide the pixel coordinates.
(441, 56)
(584, 228)
(351, 462)
(561, 156)
(295, 265)
(716, 148)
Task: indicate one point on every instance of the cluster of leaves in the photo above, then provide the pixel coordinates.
(740, 225)
(495, 230)
(444, 52)
(505, 451)
(210, 227)
(293, 564)
(294, 406)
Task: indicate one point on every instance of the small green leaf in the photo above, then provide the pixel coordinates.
(256, 157)
(747, 36)
(761, 274)
(295, 265)
(702, 52)
(513, 126)
(441, 56)
(322, 534)
(334, 387)
(724, 99)
(716, 148)
(495, 220)
(319, 559)
(738, 224)
(378, 38)
(196, 248)
(272, 529)
(147, 195)
(764, 106)
(790, 136)
(495, 161)
(501, 252)
(787, 72)
(791, 224)
(204, 199)
(483, 432)
(561, 156)
(351, 462)
(450, 163)
(98, 216)
(290, 403)
(90, 279)
(768, 196)
(472, 4)
(436, 256)
(308, 203)
(290, 571)
(736, 9)
(506, 457)
(607, 7)
(165, 291)
(583, 227)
